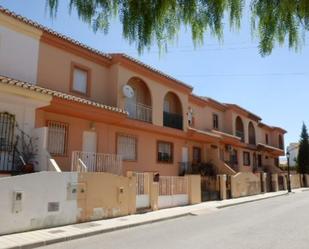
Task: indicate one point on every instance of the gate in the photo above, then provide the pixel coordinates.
(281, 182)
(268, 182)
(142, 191)
(7, 150)
(173, 191)
(210, 188)
(228, 187)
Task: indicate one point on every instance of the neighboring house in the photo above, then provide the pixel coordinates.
(88, 105)
(293, 149)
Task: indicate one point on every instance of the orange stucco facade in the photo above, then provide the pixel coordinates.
(164, 109)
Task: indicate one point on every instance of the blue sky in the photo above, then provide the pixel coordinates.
(274, 87)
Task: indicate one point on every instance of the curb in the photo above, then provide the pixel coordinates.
(248, 201)
(93, 233)
(122, 227)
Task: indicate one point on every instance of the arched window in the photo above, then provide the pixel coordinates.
(251, 131)
(240, 132)
(280, 138)
(172, 111)
(139, 106)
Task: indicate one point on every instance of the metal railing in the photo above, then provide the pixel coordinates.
(241, 134)
(96, 162)
(81, 166)
(173, 185)
(142, 183)
(172, 120)
(53, 166)
(139, 111)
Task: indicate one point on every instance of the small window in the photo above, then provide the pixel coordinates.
(80, 80)
(266, 138)
(197, 155)
(57, 138)
(165, 152)
(127, 147)
(215, 120)
(247, 158)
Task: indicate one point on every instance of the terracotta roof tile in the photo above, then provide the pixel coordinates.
(46, 91)
(152, 69)
(50, 31)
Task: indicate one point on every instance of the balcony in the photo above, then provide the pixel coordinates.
(173, 120)
(241, 134)
(139, 112)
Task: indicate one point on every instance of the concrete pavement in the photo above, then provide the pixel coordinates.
(277, 223)
(59, 234)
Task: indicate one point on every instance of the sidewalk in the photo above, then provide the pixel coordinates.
(58, 234)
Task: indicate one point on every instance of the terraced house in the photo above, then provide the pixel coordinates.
(109, 112)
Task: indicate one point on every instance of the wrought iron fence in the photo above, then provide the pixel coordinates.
(173, 185)
(7, 147)
(173, 120)
(139, 111)
(97, 162)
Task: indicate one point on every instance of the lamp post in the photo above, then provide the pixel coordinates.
(289, 180)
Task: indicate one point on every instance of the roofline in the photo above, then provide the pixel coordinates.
(207, 100)
(121, 56)
(52, 32)
(252, 115)
(45, 91)
(261, 124)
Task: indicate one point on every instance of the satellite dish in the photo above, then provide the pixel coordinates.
(128, 91)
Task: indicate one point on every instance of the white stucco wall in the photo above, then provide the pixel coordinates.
(38, 190)
(293, 149)
(19, 55)
(23, 107)
(23, 104)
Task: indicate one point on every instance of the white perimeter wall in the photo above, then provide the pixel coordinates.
(38, 189)
(19, 55)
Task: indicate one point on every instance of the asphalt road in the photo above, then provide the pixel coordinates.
(277, 223)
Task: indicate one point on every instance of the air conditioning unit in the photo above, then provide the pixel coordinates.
(190, 116)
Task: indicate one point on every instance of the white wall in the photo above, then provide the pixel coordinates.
(41, 134)
(38, 189)
(293, 149)
(19, 55)
(22, 107)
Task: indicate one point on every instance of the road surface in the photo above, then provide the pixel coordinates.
(277, 223)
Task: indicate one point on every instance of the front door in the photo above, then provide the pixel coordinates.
(89, 156)
(184, 160)
(259, 160)
(89, 141)
(185, 154)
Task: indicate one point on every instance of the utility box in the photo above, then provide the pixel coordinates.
(18, 198)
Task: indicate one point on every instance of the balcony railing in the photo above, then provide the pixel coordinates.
(241, 134)
(172, 120)
(96, 162)
(139, 111)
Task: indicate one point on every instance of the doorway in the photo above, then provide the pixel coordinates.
(90, 141)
